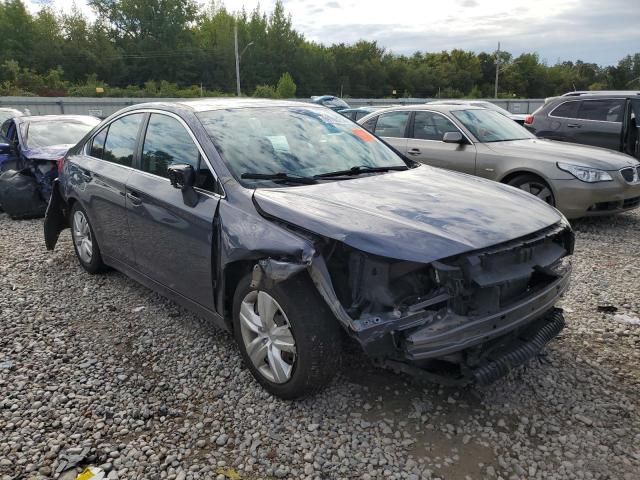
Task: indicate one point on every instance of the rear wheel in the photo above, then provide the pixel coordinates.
(535, 186)
(84, 240)
(288, 338)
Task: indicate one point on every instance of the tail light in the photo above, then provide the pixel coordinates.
(60, 164)
(528, 120)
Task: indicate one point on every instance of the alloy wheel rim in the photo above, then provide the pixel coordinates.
(82, 237)
(539, 190)
(266, 333)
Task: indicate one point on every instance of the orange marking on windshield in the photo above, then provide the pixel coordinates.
(362, 134)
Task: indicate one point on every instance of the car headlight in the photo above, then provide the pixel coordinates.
(585, 174)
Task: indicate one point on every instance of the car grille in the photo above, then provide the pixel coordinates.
(631, 174)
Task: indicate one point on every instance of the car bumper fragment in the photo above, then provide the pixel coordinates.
(498, 362)
(436, 340)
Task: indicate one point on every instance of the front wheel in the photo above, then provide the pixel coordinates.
(84, 240)
(535, 186)
(288, 337)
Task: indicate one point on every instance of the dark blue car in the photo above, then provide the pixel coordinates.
(292, 227)
(37, 143)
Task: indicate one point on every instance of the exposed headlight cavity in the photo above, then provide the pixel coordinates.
(585, 174)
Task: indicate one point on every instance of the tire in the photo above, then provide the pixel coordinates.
(534, 185)
(302, 319)
(83, 237)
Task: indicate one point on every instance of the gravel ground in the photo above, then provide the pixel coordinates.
(100, 368)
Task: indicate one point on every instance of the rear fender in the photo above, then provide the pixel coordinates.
(56, 217)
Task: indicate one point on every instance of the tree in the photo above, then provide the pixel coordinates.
(265, 91)
(286, 86)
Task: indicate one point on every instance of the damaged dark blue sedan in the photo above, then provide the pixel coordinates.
(294, 228)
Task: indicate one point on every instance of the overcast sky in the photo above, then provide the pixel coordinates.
(600, 31)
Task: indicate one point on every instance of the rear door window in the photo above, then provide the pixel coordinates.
(566, 110)
(606, 110)
(392, 124)
(120, 146)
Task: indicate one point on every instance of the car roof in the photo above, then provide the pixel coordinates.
(456, 102)
(439, 107)
(207, 104)
(55, 118)
(613, 93)
(367, 108)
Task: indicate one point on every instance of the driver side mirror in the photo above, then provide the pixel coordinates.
(183, 176)
(452, 137)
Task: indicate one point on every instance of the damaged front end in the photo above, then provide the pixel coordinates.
(474, 316)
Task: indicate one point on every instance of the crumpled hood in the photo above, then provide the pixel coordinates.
(554, 151)
(53, 152)
(420, 215)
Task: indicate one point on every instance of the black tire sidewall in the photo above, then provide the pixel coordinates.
(527, 178)
(96, 265)
(315, 331)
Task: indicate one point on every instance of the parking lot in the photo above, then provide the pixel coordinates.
(104, 369)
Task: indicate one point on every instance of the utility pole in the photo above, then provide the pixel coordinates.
(235, 36)
(238, 57)
(495, 92)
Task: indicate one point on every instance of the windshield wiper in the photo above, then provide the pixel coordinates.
(280, 176)
(360, 170)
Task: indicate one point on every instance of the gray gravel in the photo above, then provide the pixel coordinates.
(100, 370)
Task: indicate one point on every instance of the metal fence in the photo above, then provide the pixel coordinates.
(103, 107)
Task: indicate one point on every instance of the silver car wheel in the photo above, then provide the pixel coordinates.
(82, 236)
(266, 333)
(539, 190)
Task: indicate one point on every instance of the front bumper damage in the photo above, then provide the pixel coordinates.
(485, 313)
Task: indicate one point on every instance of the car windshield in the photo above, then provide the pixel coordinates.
(296, 141)
(489, 126)
(47, 133)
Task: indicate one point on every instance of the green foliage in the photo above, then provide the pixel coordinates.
(177, 48)
(265, 91)
(286, 86)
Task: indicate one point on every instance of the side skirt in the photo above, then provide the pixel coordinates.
(148, 282)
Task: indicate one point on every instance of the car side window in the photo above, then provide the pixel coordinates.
(392, 124)
(431, 126)
(370, 124)
(566, 110)
(97, 145)
(167, 143)
(4, 130)
(120, 144)
(609, 110)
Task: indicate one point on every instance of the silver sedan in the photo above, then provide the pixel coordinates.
(578, 180)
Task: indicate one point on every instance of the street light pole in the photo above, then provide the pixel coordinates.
(238, 57)
(235, 36)
(495, 90)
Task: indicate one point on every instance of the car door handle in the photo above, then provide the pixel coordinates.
(134, 199)
(86, 176)
(414, 151)
(574, 125)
